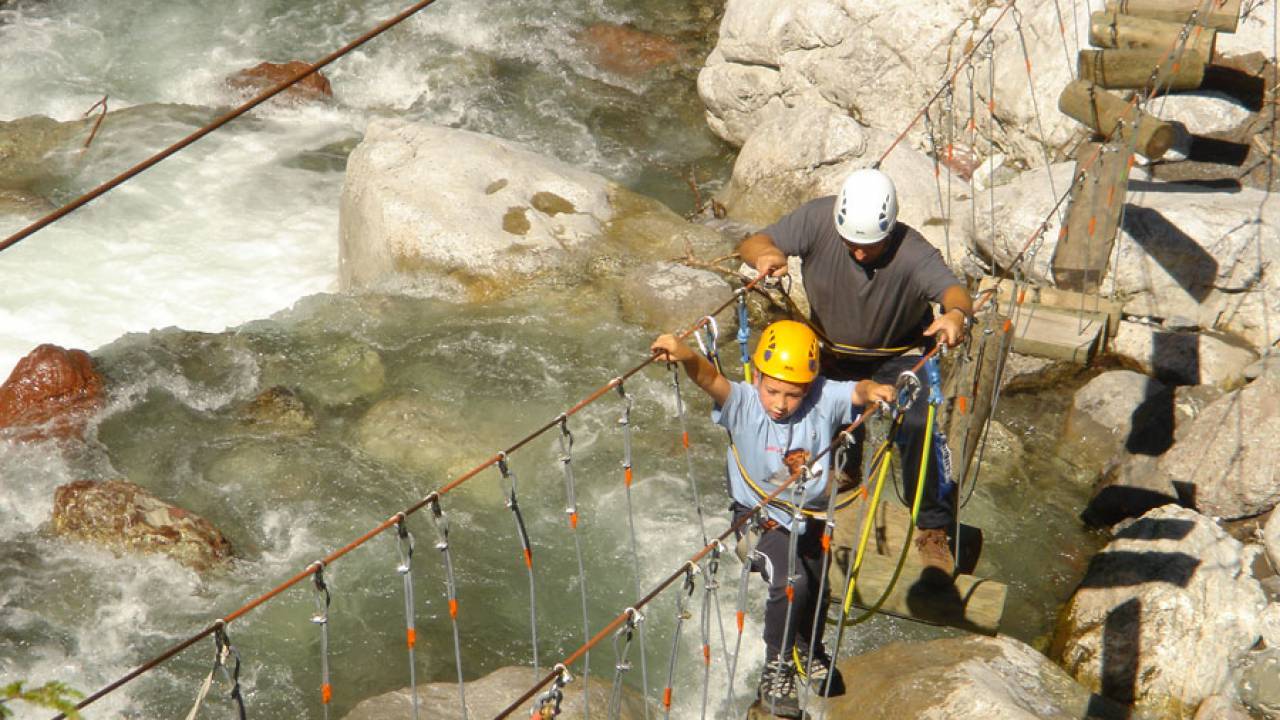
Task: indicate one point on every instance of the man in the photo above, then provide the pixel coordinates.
(871, 281)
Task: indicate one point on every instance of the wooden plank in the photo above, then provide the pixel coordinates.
(1221, 15)
(1093, 216)
(1058, 334)
(1112, 117)
(1114, 30)
(967, 602)
(1057, 298)
(1137, 69)
(968, 387)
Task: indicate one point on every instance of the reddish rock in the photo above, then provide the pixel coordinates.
(264, 75)
(53, 388)
(625, 50)
(124, 517)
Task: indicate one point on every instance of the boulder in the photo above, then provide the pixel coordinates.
(879, 62)
(1162, 614)
(1120, 409)
(1182, 358)
(1226, 458)
(1189, 401)
(1202, 112)
(1131, 488)
(341, 370)
(279, 411)
(462, 216)
(124, 517)
(52, 387)
(626, 49)
(490, 695)
(1260, 683)
(1220, 707)
(661, 296)
(19, 202)
(262, 76)
(961, 678)
(1271, 538)
(27, 146)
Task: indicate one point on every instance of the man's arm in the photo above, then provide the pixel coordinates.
(698, 368)
(957, 313)
(759, 252)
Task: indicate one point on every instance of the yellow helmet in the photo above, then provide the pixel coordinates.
(788, 350)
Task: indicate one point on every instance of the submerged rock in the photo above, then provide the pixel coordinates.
(963, 678)
(490, 695)
(124, 517)
(265, 75)
(279, 410)
(626, 49)
(54, 388)
(1162, 615)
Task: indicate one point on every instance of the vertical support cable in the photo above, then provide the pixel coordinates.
(798, 490)
(451, 591)
(751, 530)
(621, 663)
(321, 618)
(845, 441)
(526, 552)
(710, 586)
(991, 135)
(1035, 104)
(937, 181)
(688, 453)
(625, 423)
(404, 546)
(682, 614)
(566, 463)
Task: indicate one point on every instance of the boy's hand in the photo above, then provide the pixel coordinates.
(868, 392)
(668, 349)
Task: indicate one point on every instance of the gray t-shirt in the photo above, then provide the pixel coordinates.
(763, 442)
(886, 305)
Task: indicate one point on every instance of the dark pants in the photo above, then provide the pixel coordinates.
(934, 513)
(771, 557)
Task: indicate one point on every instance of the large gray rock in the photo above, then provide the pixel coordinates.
(489, 696)
(463, 216)
(1201, 112)
(1182, 358)
(1120, 409)
(1260, 683)
(1163, 613)
(963, 678)
(1271, 538)
(878, 62)
(661, 296)
(1228, 453)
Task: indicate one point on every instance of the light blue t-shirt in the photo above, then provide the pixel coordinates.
(763, 443)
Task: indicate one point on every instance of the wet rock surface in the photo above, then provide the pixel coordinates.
(52, 387)
(124, 517)
(262, 76)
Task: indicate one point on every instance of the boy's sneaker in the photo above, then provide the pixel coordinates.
(817, 671)
(778, 689)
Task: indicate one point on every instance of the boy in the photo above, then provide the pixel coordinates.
(789, 415)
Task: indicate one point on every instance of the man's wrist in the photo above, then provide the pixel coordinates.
(965, 317)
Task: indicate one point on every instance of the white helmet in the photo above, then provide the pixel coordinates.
(867, 207)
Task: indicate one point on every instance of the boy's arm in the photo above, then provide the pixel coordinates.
(698, 368)
(867, 392)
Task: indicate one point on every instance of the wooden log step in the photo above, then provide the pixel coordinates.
(1130, 32)
(1136, 69)
(1093, 216)
(1058, 298)
(1110, 116)
(1221, 15)
(920, 594)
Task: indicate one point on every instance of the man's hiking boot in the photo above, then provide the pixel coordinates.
(935, 552)
(818, 671)
(778, 689)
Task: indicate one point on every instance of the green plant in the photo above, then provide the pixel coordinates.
(52, 694)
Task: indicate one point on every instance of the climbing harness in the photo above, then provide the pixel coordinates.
(222, 652)
(621, 663)
(571, 509)
(526, 551)
(451, 592)
(404, 546)
(321, 618)
(682, 614)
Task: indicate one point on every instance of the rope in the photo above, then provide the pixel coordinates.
(219, 122)
(404, 547)
(451, 593)
(526, 553)
(625, 423)
(566, 463)
(222, 651)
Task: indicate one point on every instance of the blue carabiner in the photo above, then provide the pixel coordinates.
(934, 376)
(744, 335)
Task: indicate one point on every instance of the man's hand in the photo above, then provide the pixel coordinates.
(759, 252)
(951, 327)
(772, 264)
(668, 349)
